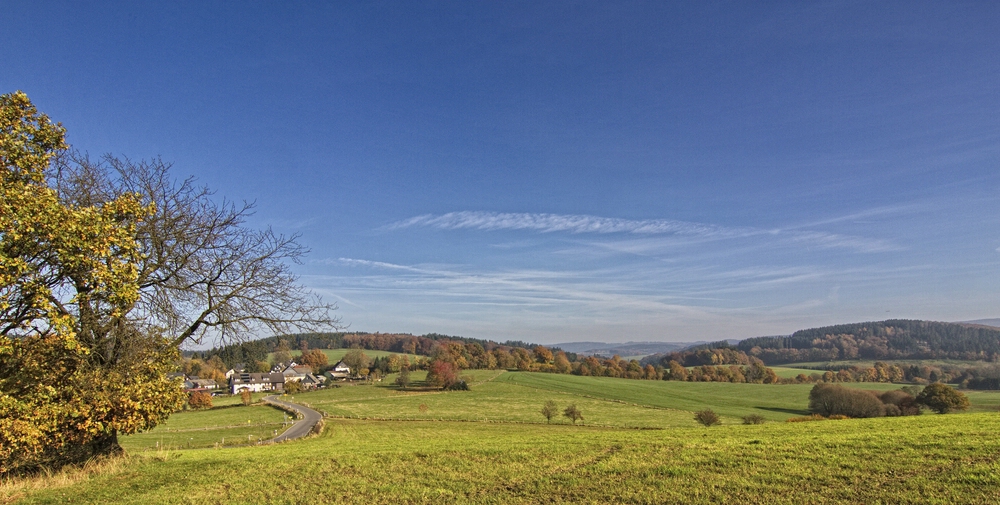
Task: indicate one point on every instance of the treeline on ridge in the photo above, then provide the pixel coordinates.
(466, 353)
(883, 340)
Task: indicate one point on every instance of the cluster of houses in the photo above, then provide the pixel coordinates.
(275, 380)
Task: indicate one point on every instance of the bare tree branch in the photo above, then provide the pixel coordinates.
(202, 271)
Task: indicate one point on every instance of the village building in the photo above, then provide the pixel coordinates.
(311, 381)
(295, 373)
(256, 382)
(339, 371)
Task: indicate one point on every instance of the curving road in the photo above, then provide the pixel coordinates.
(302, 427)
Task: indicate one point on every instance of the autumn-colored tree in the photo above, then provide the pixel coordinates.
(105, 270)
(441, 374)
(293, 387)
(246, 397)
(200, 400)
(677, 372)
(942, 398)
(356, 360)
(314, 358)
(62, 267)
(562, 363)
(543, 354)
(549, 410)
(522, 357)
(834, 399)
(573, 413)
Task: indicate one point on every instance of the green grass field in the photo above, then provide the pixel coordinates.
(227, 425)
(498, 396)
(491, 445)
(924, 459)
(788, 372)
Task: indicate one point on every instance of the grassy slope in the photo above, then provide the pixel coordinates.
(925, 459)
(232, 425)
(518, 397)
(791, 372)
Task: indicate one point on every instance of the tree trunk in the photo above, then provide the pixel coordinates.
(106, 445)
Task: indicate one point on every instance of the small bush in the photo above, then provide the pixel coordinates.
(200, 400)
(753, 419)
(837, 417)
(549, 410)
(461, 385)
(573, 413)
(707, 417)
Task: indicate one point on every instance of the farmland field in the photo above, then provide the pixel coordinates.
(491, 445)
(232, 425)
(789, 372)
(923, 459)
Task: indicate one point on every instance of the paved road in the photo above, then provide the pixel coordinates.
(302, 427)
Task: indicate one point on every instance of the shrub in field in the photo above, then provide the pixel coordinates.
(549, 410)
(707, 417)
(293, 387)
(403, 380)
(200, 400)
(831, 399)
(899, 403)
(942, 398)
(573, 413)
(753, 419)
(460, 385)
(246, 397)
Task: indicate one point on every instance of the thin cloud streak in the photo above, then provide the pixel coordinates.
(571, 223)
(581, 224)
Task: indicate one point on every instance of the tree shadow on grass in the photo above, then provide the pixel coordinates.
(785, 411)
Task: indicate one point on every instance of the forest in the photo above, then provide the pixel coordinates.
(893, 339)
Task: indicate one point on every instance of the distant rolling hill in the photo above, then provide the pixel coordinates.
(985, 322)
(890, 339)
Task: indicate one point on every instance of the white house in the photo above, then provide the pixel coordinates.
(339, 371)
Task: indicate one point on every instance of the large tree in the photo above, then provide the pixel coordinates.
(942, 398)
(106, 268)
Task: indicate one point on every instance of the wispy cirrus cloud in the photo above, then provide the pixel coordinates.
(587, 224)
(570, 223)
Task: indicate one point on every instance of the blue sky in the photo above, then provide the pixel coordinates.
(554, 172)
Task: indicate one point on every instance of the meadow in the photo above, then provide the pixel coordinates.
(923, 459)
(638, 444)
(229, 423)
